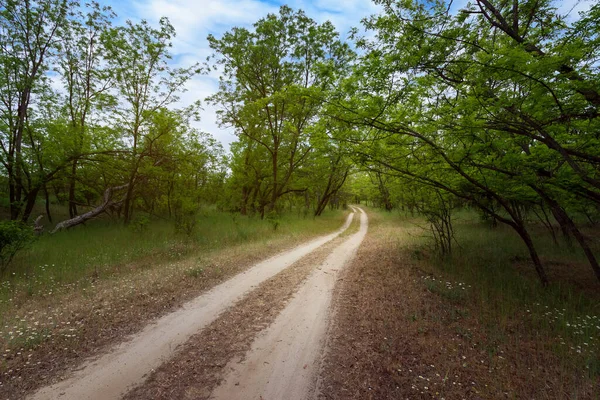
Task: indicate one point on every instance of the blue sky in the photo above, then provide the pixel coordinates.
(195, 19)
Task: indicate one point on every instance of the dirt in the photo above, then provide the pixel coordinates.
(113, 373)
(284, 360)
(199, 365)
(349, 317)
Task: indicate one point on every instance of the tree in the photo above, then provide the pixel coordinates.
(29, 36)
(270, 92)
(86, 81)
(495, 105)
(137, 55)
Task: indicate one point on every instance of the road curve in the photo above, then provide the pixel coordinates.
(283, 362)
(127, 365)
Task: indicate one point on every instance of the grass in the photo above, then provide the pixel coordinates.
(104, 248)
(476, 325)
(493, 265)
(60, 314)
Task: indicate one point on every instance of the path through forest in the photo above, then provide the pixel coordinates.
(284, 360)
(295, 338)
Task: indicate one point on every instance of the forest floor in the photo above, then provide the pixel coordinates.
(405, 329)
(354, 315)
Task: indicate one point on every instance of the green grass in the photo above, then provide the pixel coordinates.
(486, 260)
(490, 271)
(102, 248)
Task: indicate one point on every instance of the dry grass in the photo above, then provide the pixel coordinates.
(403, 330)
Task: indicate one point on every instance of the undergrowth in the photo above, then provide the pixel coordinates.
(489, 272)
(104, 248)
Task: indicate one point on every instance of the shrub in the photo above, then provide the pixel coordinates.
(14, 236)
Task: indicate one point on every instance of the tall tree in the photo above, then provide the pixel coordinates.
(86, 81)
(495, 104)
(138, 57)
(29, 36)
(270, 89)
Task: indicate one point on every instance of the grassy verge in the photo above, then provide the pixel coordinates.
(475, 326)
(68, 317)
(102, 249)
(491, 272)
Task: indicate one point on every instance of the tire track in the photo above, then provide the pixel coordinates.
(111, 375)
(284, 360)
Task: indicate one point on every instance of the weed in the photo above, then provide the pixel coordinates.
(103, 248)
(454, 292)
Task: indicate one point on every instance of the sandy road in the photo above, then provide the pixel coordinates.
(284, 360)
(112, 374)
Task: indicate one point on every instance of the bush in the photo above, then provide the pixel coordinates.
(186, 217)
(140, 223)
(14, 236)
(273, 219)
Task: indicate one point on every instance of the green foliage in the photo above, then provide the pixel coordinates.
(186, 217)
(271, 93)
(14, 237)
(495, 105)
(140, 223)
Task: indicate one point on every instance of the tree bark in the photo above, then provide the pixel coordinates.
(539, 267)
(72, 202)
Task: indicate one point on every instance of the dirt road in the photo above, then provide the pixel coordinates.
(127, 365)
(284, 360)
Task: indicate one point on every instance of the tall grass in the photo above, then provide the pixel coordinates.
(102, 248)
(565, 315)
(490, 272)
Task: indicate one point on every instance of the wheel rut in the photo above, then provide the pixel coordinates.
(127, 365)
(284, 359)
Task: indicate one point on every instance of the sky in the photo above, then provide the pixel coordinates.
(194, 20)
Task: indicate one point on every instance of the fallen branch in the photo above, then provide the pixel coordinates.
(69, 223)
(38, 228)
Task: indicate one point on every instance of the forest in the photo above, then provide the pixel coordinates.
(475, 123)
(493, 108)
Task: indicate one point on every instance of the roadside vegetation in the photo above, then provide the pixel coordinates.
(57, 314)
(478, 325)
(104, 249)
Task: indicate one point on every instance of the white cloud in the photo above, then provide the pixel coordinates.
(194, 20)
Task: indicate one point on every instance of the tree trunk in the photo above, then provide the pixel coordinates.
(30, 203)
(47, 198)
(563, 227)
(246, 192)
(90, 214)
(570, 225)
(539, 267)
(128, 206)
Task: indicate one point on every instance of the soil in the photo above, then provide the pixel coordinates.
(346, 316)
(393, 337)
(199, 365)
(284, 360)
